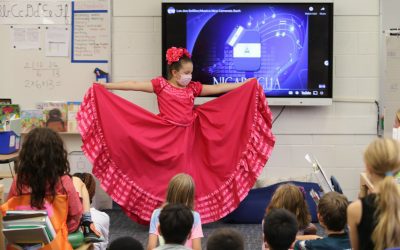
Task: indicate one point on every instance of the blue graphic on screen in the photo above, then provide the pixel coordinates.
(269, 43)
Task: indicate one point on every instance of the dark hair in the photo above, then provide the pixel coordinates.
(225, 239)
(176, 222)
(125, 243)
(280, 228)
(90, 183)
(177, 65)
(333, 209)
(42, 161)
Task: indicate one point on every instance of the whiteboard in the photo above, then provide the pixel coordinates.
(390, 62)
(28, 76)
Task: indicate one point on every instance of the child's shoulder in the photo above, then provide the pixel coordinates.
(159, 79)
(159, 83)
(156, 212)
(66, 177)
(339, 241)
(196, 217)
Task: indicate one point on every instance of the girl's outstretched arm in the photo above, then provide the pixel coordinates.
(221, 88)
(130, 85)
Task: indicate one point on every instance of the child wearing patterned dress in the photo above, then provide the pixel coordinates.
(222, 144)
(181, 190)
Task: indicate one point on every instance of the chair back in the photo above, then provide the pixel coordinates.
(336, 185)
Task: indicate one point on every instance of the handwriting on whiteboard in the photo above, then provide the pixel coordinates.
(42, 75)
(35, 12)
(42, 84)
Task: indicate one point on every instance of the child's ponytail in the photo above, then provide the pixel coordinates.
(382, 158)
(387, 231)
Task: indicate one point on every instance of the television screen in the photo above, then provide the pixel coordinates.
(286, 46)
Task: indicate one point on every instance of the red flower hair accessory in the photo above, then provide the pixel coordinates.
(174, 54)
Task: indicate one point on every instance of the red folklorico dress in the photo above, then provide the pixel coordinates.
(223, 144)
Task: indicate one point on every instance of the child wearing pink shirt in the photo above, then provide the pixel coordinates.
(180, 191)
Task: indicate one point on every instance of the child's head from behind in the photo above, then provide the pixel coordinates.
(280, 229)
(181, 190)
(176, 222)
(332, 211)
(292, 198)
(382, 157)
(89, 182)
(125, 243)
(180, 65)
(42, 161)
(225, 239)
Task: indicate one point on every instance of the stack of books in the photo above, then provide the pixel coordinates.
(28, 227)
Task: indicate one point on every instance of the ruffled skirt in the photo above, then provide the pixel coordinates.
(135, 152)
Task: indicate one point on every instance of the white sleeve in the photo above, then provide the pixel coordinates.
(101, 221)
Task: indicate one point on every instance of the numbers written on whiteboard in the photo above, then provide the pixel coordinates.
(40, 68)
(42, 75)
(42, 84)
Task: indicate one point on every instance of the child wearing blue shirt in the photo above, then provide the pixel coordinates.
(332, 215)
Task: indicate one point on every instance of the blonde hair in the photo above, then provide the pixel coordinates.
(382, 157)
(181, 190)
(397, 119)
(290, 197)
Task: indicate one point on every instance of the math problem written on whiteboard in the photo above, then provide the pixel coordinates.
(42, 75)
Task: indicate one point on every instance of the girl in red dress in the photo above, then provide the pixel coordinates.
(223, 144)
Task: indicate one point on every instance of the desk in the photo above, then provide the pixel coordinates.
(4, 159)
(366, 187)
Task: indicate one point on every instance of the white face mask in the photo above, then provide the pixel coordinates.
(185, 79)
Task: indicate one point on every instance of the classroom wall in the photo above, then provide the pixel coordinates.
(336, 135)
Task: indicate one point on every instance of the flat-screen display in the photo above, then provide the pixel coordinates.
(286, 46)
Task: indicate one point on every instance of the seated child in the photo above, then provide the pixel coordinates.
(332, 216)
(101, 220)
(42, 182)
(125, 243)
(280, 229)
(293, 199)
(43, 171)
(225, 239)
(176, 222)
(180, 190)
(374, 220)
